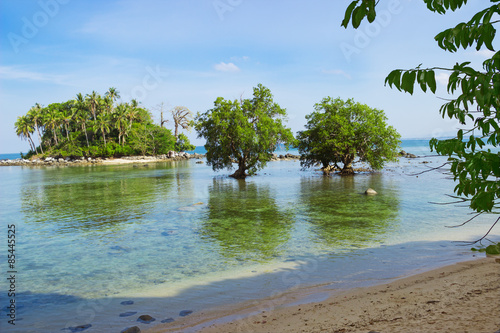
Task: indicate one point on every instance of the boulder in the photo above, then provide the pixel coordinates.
(370, 191)
(133, 329)
(146, 319)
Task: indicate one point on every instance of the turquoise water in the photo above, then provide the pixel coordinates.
(11, 156)
(175, 235)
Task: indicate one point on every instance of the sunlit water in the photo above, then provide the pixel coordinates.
(177, 236)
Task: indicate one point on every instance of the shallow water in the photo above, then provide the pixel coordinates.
(175, 235)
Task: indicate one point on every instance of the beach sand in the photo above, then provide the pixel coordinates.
(464, 297)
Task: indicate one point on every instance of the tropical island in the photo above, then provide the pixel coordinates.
(244, 132)
(96, 126)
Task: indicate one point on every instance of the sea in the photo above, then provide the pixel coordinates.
(97, 246)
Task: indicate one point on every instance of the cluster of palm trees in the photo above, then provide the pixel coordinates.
(85, 119)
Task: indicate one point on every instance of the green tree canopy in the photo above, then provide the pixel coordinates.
(183, 144)
(95, 126)
(245, 132)
(475, 103)
(339, 131)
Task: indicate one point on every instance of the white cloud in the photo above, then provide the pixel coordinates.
(14, 73)
(336, 72)
(485, 53)
(229, 67)
(442, 78)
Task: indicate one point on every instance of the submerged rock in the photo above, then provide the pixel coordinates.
(370, 191)
(168, 320)
(146, 319)
(184, 313)
(127, 303)
(79, 328)
(133, 329)
(169, 233)
(127, 314)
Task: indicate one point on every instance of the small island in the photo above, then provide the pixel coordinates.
(91, 128)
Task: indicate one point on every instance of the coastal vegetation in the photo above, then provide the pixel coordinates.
(245, 132)
(339, 131)
(98, 126)
(474, 100)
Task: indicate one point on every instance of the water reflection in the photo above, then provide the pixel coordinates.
(341, 215)
(93, 198)
(245, 220)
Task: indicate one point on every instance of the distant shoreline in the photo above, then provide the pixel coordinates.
(51, 161)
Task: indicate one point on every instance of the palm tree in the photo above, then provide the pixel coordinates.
(120, 120)
(66, 116)
(53, 119)
(132, 112)
(35, 114)
(93, 101)
(113, 94)
(182, 117)
(81, 115)
(102, 124)
(24, 129)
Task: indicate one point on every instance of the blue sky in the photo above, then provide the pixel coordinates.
(189, 52)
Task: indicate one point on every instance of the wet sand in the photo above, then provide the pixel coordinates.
(463, 297)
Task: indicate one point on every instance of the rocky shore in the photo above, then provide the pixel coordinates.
(171, 156)
(55, 161)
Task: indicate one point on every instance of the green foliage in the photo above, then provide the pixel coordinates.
(359, 9)
(150, 139)
(244, 132)
(493, 249)
(183, 143)
(339, 131)
(475, 103)
(93, 126)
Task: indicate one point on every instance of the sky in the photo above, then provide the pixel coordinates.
(189, 52)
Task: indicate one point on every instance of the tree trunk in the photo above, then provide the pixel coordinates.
(39, 136)
(347, 169)
(32, 144)
(240, 173)
(55, 136)
(86, 136)
(67, 131)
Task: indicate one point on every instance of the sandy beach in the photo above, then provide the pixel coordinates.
(464, 297)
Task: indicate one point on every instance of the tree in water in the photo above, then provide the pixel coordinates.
(339, 131)
(244, 132)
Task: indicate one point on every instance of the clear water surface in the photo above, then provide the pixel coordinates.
(177, 236)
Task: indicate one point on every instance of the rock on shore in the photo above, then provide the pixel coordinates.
(171, 156)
